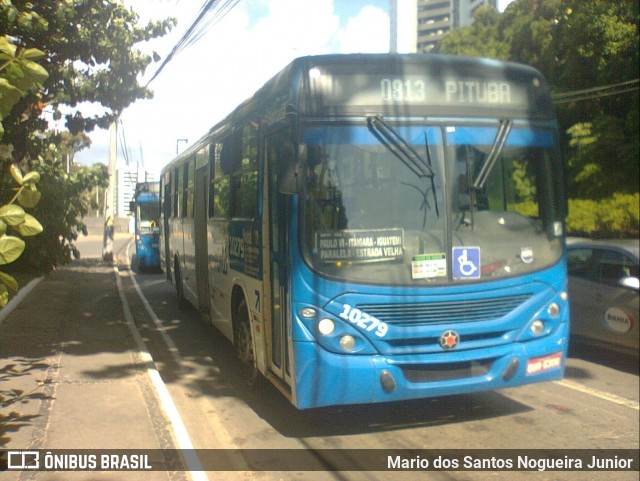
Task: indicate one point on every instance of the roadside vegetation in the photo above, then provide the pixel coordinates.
(588, 51)
(53, 61)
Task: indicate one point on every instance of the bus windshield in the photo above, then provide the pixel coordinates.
(148, 217)
(431, 204)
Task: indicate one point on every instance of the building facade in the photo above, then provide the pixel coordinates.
(126, 187)
(437, 17)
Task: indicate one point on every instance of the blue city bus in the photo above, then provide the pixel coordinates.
(146, 211)
(378, 227)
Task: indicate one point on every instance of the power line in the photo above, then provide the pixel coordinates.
(211, 12)
(596, 92)
(217, 15)
(124, 148)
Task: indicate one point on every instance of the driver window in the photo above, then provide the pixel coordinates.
(580, 263)
(613, 266)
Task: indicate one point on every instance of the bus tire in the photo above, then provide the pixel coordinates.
(243, 343)
(182, 301)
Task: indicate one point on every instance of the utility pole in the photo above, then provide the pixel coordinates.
(178, 143)
(109, 208)
(393, 26)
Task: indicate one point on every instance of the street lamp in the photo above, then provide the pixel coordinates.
(178, 143)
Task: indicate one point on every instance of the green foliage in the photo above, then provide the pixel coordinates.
(67, 203)
(15, 220)
(577, 46)
(91, 53)
(602, 157)
(527, 209)
(56, 55)
(19, 75)
(617, 216)
(482, 39)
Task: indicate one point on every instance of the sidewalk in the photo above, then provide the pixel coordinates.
(71, 376)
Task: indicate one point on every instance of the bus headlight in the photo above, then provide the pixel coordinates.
(553, 310)
(347, 343)
(326, 327)
(546, 320)
(332, 333)
(308, 312)
(537, 327)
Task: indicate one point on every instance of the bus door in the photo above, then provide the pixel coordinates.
(200, 241)
(277, 227)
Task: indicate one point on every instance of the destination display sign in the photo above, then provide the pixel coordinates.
(361, 89)
(418, 86)
(360, 245)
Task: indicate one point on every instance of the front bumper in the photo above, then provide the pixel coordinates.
(324, 378)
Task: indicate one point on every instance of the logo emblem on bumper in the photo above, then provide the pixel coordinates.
(449, 340)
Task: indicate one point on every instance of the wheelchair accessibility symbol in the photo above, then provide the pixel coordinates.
(466, 262)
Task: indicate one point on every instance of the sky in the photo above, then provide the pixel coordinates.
(255, 40)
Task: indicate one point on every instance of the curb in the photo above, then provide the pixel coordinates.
(22, 293)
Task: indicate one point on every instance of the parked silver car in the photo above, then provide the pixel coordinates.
(603, 292)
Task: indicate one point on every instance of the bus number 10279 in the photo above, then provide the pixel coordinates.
(364, 320)
(402, 90)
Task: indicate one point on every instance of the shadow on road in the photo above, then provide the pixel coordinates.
(592, 352)
(209, 367)
(76, 316)
(11, 420)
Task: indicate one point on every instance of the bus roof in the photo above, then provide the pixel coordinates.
(393, 85)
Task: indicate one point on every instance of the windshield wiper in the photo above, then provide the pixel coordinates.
(471, 192)
(433, 183)
(494, 153)
(399, 147)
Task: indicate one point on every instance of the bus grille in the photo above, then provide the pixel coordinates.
(463, 310)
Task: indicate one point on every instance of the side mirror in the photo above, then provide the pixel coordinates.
(630, 282)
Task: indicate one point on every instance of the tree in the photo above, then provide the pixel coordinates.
(581, 45)
(483, 38)
(87, 51)
(67, 203)
(15, 224)
(91, 55)
(19, 75)
(577, 45)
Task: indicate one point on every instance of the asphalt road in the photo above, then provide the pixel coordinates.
(595, 407)
(194, 395)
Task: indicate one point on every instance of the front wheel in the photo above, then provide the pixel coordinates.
(243, 343)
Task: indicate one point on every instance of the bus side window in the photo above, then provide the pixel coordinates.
(212, 177)
(244, 181)
(177, 190)
(219, 187)
(167, 197)
(184, 171)
(190, 187)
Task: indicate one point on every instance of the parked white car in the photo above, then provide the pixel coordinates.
(603, 292)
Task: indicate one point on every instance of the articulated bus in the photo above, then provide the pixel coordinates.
(371, 228)
(146, 212)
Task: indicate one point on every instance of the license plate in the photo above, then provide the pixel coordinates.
(545, 363)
